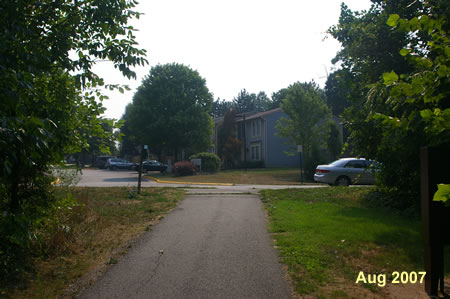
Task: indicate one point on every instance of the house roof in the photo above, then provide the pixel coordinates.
(261, 114)
(248, 115)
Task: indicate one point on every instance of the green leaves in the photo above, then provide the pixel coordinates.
(390, 78)
(443, 194)
(393, 20)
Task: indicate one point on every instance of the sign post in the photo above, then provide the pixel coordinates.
(300, 151)
(144, 148)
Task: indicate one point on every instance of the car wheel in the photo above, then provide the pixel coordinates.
(342, 181)
(113, 167)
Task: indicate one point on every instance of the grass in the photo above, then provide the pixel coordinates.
(97, 232)
(327, 235)
(259, 176)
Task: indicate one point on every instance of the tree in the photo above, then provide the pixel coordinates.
(307, 122)
(244, 102)
(336, 92)
(220, 107)
(388, 116)
(48, 50)
(277, 99)
(229, 146)
(261, 101)
(248, 102)
(170, 110)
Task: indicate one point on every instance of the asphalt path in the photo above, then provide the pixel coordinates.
(210, 246)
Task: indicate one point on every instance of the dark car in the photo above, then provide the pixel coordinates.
(153, 165)
(116, 163)
(347, 171)
(100, 162)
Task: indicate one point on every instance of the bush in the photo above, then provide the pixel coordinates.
(183, 168)
(252, 164)
(210, 161)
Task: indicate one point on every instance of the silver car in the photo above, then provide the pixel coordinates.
(116, 163)
(347, 171)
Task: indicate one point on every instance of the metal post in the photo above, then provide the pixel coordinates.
(140, 170)
(245, 147)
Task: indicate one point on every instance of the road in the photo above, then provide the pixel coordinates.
(213, 245)
(126, 178)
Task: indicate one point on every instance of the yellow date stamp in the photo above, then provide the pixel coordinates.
(396, 277)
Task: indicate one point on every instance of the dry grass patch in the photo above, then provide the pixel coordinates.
(263, 176)
(96, 233)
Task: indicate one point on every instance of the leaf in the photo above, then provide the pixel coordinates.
(426, 114)
(390, 78)
(443, 193)
(404, 52)
(393, 20)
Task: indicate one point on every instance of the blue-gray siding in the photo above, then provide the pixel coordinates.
(277, 146)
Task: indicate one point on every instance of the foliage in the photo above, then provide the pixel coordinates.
(170, 111)
(334, 143)
(229, 146)
(396, 80)
(307, 122)
(422, 92)
(51, 101)
(248, 102)
(183, 168)
(210, 161)
(443, 194)
(277, 99)
(220, 107)
(335, 93)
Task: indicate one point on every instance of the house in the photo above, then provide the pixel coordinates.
(260, 139)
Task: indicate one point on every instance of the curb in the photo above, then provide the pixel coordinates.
(190, 183)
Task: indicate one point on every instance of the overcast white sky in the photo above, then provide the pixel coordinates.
(259, 45)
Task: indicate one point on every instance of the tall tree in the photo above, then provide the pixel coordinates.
(220, 107)
(261, 101)
(46, 58)
(244, 102)
(388, 124)
(229, 145)
(277, 99)
(336, 92)
(307, 122)
(170, 110)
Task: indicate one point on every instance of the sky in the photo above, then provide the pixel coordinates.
(259, 45)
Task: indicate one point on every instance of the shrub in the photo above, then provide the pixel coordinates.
(210, 161)
(183, 168)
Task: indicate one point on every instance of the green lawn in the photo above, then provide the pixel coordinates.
(259, 176)
(327, 235)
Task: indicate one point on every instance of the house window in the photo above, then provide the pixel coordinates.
(255, 150)
(256, 128)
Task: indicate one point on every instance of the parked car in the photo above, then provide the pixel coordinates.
(100, 162)
(116, 163)
(347, 171)
(153, 165)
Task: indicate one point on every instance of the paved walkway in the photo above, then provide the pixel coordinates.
(210, 246)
